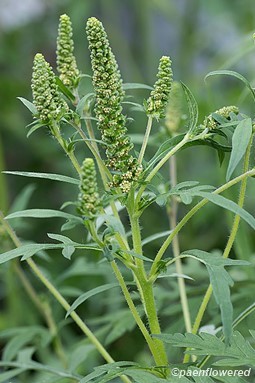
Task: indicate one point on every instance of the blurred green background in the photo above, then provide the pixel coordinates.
(200, 36)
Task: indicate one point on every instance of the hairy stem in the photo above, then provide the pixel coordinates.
(145, 288)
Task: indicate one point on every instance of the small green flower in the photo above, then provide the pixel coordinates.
(46, 97)
(210, 123)
(156, 103)
(174, 109)
(88, 199)
(66, 62)
(109, 95)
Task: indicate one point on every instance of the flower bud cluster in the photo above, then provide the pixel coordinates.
(156, 103)
(88, 200)
(109, 95)
(66, 62)
(210, 123)
(46, 97)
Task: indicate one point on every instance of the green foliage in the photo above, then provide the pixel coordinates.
(238, 353)
(110, 245)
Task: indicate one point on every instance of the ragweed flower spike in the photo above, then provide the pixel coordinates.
(174, 109)
(88, 199)
(109, 95)
(156, 103)
(46, 98)
(210, 123)
(66, 62)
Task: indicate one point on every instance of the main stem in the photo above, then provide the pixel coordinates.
(145, 288)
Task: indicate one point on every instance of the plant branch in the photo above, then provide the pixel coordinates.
(190, 214)
(62, 300)
(229, 244)
(145, 140)
(172, 215)
(160, 164)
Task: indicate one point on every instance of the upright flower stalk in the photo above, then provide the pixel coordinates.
(155, 106)
(66, 62)
(111, 121)
(156, 103)
(46, 97)
(89, 200)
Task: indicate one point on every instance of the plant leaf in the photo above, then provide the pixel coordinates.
(49, 176)
(81, 104)
(35, 127)
(134, 85)
(64, 89)
(41, 367)
(6, 376)
(238, 353)
(82, 298)
(27, 251)
(44, 213)
(28, 104)
(192, 107)
(240, 141)
(220, 281)
(155, 236)
(233, 74)
(226, 204)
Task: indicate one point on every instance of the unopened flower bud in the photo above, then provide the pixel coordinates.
(66, 62)
(156, 103)
(46, 97)
(88, 200)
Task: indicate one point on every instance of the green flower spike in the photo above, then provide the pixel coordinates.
(210, 123)
(46, 98)
(109, 95)
(66, 62)
(88, 200)
(174, 108)
(156, 103)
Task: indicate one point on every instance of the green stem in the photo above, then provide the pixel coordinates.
(3, 186)
(172, 215)
(102, 168)
(160, 164)
(71, 155)
(66, 306)
(145, 140)
(62, 300)
(229, 244)
(190, 214)
(144, 331)
(145, 288)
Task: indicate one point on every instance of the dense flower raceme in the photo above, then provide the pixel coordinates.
(89, 201)
(156, 103)
(66, 62)
(174, 109)
(210, 123)
(46, 97)
(109, 95)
